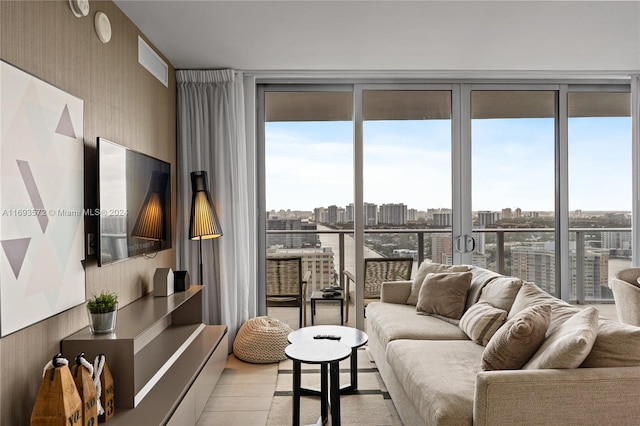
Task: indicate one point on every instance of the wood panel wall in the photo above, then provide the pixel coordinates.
(124, 103)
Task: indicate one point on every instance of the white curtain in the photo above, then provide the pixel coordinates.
(211, 137)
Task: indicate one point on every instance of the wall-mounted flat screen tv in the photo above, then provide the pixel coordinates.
(134, 203)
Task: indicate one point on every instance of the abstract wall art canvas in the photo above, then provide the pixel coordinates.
(41, 200)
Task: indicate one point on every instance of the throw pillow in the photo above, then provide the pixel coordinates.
(569, 345)
(425, 268)
(501, 292)
(517, 340)
(481, 321)
(444, 294)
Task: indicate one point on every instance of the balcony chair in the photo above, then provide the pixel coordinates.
(376, 271)
(286, 285)
(626, 293)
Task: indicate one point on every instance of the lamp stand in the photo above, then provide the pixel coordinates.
(200, 259)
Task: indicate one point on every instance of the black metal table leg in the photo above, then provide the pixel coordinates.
(324, 391)
(296, 393)
(354, 368)
(335, 393)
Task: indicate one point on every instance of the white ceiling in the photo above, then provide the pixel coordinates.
(539, 36)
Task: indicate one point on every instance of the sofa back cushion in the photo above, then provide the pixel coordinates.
(616, 345)
(481, 277)
(426, 268)
(517, 340)
(569, 345)
(501, 292)
(444, 294)
(531, 295)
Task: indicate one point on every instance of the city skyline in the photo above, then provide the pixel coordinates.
(310, 164)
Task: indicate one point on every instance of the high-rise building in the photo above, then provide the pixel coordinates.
(486, 218)
(616, 240)
(317, 260)
(321, 215)
(441, 245)
(333, 214)
(537, 263)
(442, 219)
(370, 214)
(284, 240)
(348, 213)
(393, 214)
(506, 213)
(412, 215)
(618, 243)
(477, 259)
(518, 213)
(309, 240)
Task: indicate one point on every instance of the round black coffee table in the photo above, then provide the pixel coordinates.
(349, 336)
(326, 353)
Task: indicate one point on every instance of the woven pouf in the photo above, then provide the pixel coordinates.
(262, 340)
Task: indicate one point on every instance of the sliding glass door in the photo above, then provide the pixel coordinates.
(513, 141)
(407, 173)
(308, 180)
(600, 175)
(512, 178)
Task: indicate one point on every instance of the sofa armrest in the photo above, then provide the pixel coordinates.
(576, 396)
(395, 292)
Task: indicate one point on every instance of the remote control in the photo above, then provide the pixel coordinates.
(327, 336)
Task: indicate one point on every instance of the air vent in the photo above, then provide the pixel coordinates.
(149, 59)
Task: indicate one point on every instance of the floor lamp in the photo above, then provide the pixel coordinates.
(203, 224)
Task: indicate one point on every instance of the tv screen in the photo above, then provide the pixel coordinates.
(134, 203)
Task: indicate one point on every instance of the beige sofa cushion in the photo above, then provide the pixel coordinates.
(530, 295)
(569, 345)
(481, 277)
(481, 321)
(444, 294)
(438, 377)
(616, 345)
(426, 268)
(501, 292)
(390, 321)
(517, 340)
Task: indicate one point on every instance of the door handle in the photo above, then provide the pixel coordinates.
(463, 242)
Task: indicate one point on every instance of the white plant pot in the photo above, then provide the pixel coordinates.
(102, 323)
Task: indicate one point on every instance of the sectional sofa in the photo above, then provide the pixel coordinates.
(580, 369)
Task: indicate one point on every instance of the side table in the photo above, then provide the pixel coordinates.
(321, 296)
(326, 353)
(349, 336)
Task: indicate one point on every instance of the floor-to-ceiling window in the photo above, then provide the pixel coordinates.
(599, 128)
(407, 172)
(417, 140)
(513, 139)
(308, 159)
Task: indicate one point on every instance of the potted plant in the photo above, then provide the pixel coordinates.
(102, 310)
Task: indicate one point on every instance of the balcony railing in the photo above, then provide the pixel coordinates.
(497, 239)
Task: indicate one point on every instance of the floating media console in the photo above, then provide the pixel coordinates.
(165, 362)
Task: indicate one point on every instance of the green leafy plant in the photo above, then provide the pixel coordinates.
(103, 303)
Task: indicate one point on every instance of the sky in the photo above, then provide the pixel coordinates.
(310, 164)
